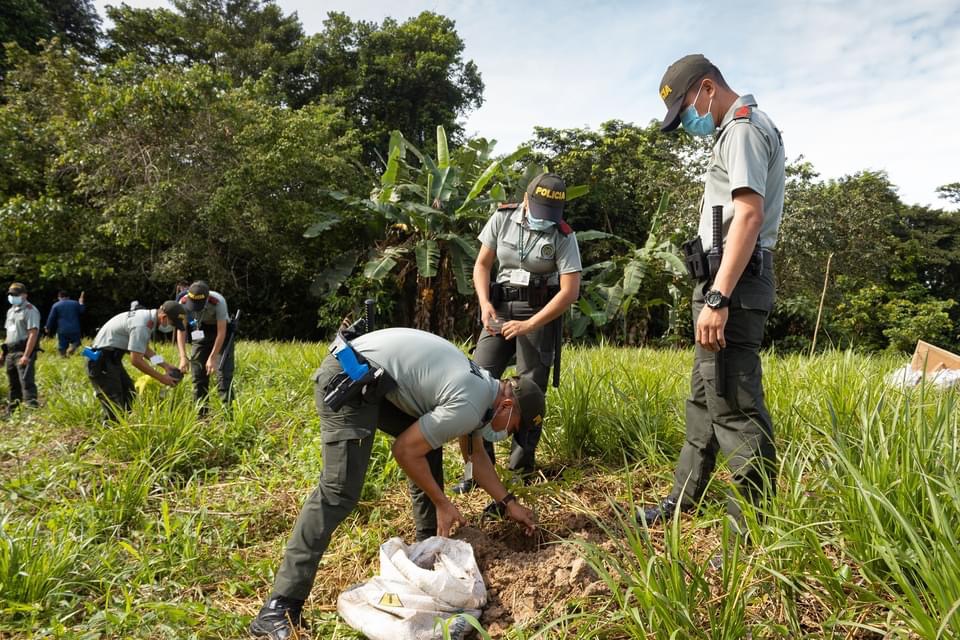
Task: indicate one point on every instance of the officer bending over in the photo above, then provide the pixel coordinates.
(209, 332)
(131, 331)
(423, 391)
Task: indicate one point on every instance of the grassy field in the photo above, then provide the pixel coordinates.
(170, 527)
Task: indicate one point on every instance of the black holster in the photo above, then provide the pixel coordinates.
(696, 260)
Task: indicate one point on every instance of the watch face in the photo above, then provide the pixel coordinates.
(713, 298)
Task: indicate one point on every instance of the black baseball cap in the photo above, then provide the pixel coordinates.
(677, 81)
(197, 296)
(530, 399)
(176, 313)
(547, 194)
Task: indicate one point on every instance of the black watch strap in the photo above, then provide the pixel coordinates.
(507, 499)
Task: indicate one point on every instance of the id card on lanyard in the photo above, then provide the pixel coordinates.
(521, 277)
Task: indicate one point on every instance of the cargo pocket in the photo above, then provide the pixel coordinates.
(743, 374)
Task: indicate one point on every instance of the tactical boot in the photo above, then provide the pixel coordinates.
(279, 619)
(656, 513)
(466, 485)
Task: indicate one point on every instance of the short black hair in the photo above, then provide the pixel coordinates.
(62, 294)
(715, 75)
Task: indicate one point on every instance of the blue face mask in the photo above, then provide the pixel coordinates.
(15, 300)
(536, 224)
(165, 328)
(696, 124)
(490, 434)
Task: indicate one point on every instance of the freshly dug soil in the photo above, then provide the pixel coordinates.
(530, 576)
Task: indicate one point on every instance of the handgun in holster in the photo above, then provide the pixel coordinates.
(695, 259)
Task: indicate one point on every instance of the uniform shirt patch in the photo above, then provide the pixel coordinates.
(547, 251)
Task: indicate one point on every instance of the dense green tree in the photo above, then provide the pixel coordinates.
(950, 192)
(407, 76)
(28, 22)
(628, 169)
(244, 39)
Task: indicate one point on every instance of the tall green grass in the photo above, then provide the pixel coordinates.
(165, 525)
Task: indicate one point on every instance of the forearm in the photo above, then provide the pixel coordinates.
(481, 282)
(182, 344)
(417, 469)
(557, 306)
(484, 473)
(220, 339)
(31, 342)
(740, 242)
(140, 361)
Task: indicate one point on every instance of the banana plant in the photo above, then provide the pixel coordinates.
(431, 209)
(632, 279)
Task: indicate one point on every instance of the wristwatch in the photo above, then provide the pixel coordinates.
(716, 300)
(507, 499)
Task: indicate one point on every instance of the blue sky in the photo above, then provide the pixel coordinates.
(853, 84)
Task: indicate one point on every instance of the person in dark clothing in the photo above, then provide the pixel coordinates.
(64, 320)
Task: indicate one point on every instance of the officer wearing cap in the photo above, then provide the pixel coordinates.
(538, 278)
(730, 307)
(20, 348)
(130, 332)
(435, 394)
(209, 332)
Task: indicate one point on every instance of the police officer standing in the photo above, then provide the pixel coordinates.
(538, 278)
(726, 411)
(20, 348)
(209, 332)
(131, 331)
(424, 391)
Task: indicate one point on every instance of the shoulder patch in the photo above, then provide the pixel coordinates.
(150, 324)
(508, 205)
(183, 299)
(212, 300)
(742, 112)
(564, 228)
(29, 306)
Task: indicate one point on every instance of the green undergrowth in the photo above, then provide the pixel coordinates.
(170, 526)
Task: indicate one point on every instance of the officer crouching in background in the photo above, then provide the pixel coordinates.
(538, 278)
(131, 331)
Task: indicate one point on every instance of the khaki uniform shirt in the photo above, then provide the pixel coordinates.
(21, 319)
(214, 310)
(127, 331)
(436, 381)
(544, 252)
(748, 153)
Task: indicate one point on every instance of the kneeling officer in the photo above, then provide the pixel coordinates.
(424, 391)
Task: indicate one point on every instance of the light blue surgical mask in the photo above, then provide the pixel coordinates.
(696, 124)
(165, 328)
(15, 300)
(490, 434)
(536, 224)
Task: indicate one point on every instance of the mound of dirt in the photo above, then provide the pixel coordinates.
(530, 576)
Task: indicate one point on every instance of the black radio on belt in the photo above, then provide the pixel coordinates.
(357, 377)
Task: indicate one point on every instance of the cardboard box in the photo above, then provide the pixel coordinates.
(928, 358)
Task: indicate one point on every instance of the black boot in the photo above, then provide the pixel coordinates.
(466, 485)
(279, 619)
(653, 514)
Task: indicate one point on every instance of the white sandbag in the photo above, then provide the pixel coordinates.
(418, 584)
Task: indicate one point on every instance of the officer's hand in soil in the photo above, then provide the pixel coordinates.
(447, 515)
(516, 328)
(710, 326)
(523, 516)
(488, 315)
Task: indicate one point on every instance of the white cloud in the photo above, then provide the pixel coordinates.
(854, 84)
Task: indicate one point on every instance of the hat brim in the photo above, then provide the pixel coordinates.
(194, 306)
(545, 211)
(672, 120)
